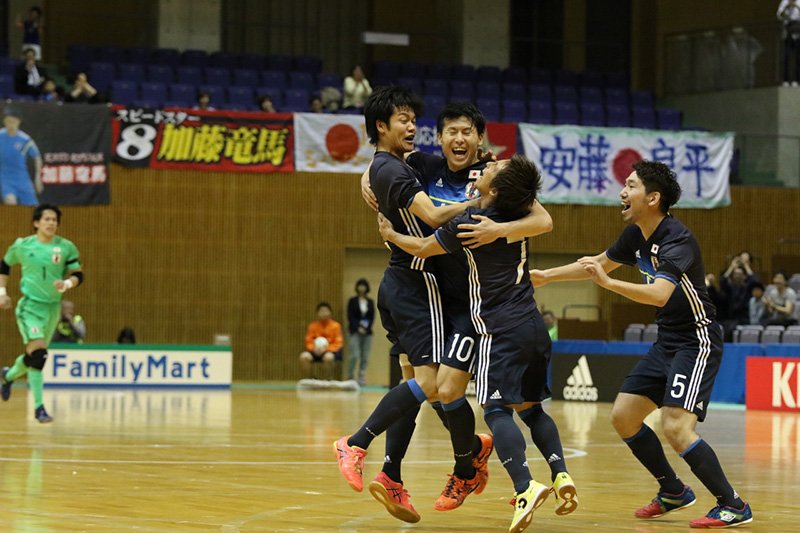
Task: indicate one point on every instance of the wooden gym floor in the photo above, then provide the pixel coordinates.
(262, 460)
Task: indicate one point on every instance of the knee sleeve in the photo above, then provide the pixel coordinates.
(36, 359)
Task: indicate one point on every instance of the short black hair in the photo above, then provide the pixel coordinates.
(756, 285)
(517, 187)
(323, 304)
(383, 102)
(782, 273)
(40, 209)
(364, 282)
(456, 110)
(658, 177)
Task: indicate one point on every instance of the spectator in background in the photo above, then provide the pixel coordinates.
(323, 341)
(265, 104)
(360, 315)
(70, 328)
(204, 101)
(82, 91)
(126, 336)
(356, 89)
(736, 286)
(17, 151)
(315, 105)
(779, 302)
(32, 31)
(756, 305)
(552, 324)
(50, 92)
(29, 76)
(789, 15)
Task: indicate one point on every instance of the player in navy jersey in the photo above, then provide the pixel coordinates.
(678, 372)
(513, 346)
(408, 299)
(449, 180)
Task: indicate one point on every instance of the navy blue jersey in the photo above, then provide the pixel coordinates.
(446, 187)
(500, 289)
(671, 253)
(395, 185)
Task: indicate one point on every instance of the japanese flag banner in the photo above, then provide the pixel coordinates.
(331, 143)
(585, 165)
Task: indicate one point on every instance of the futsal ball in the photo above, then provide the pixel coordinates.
(320, 344)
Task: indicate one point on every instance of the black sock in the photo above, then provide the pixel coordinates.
(545, 436)
(510, 445)
(461, 421)
(704, 464)
(391, 408)
(648, 449)
(398, 436)
(437, 406)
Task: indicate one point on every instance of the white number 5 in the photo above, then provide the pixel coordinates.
(678, 386)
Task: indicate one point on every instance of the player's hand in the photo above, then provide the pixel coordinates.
(484, 232)
(366, 192)
(593, 267)
(385, 227)
(486, 156)
(5, 302)
(62, 285)
(538, 278)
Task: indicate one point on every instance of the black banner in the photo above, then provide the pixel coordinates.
(589, 377)
(55, 154)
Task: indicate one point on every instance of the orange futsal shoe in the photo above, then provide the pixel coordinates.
(456, 492)
(394, 497)
(481, 461)
(351, 462)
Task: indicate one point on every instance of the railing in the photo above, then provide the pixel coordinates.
(735, 57)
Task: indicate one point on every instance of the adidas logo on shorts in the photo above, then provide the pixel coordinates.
(580, 385)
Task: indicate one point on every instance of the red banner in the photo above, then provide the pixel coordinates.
(501, 138)
(773, 383)
(203, 140)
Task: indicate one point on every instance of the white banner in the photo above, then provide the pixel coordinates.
(331, 143)
(129, 365)
(582, 165)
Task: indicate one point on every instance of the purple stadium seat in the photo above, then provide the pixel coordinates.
(641, 99)
(435, 87)
(412, 69)
(301, 80)
(643, 117)
(540, 112)
(433, 105)
(218, 76)
(80, 57)
(415, 84)
(279, 62)
(144, 102)
(515, 75)
(139, 55)
(565, 94)
(160, 73)
(329, 80)
(110, 54)
(153, 91)
(488, 89)
(514, 111)
(539, 92)
(616, 96)
(462, 91)
(166, 56)
(514, 91)
(131, 72)
(618, 116)
(310, 64)
(295, 100)
(668, 118)
(124, 92)
(216, 93)
(189, 74)
(463, 73)
(184, 94)
(566, 113)
(276, 93)
(101, 74)
(226, 60)
(591, 95)
(543, 76)
(8, 65)
(253, 61)
(490, 108)
(489, 73)
(438, 71)
(242, 96)
(244, 77)
(6, 85)
(592, 114)
(384, 72)
(194, 58)
(273, 78)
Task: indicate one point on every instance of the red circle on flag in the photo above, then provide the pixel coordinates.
(623, 164)
(342, 142)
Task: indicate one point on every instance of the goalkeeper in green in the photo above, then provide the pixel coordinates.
(50, 267)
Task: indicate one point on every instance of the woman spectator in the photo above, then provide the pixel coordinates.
(356, 89)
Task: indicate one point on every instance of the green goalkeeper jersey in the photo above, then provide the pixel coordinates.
(42, 264)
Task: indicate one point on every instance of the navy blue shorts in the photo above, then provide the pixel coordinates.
(512, 365)
(411, 312)
(679, 370)
(460, 350)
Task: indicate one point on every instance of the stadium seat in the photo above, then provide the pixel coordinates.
(462, 91)
(643, 117)
(153, 91)
(438, 71)
(217, 76)
(101, 74)
(142, 102)
(486, 73)
(463, 73)
(160, 74)
(737, 333)
(166, 56)
(415, 84)
(435, 87)
(216, 93)
(490, 108)
(650, 333)
(8, 65)
(184, 94)
(772, 334)
(220, 59)
(252, 61)
(280, 63)
(244, 77)
(566, 113)
(488, 89)
(791, 335)
(124, 92)
(633, 333)
(592, 115)
(384, 72)
(515, 75)
(641, 99)
(276, 93)
(241, 96)
(139, 55)
(301, 80)
(541, 76)
(189, 74)
(80, 57)
(295, 100)
(273, 78)
(616, 96)
(540, 112)
(131, 72)
(750, 336)
(618, 116)
(194, 58)
(309, 64)
(539, 92)
(433, 105)
(110, 54)
(412, 69)
(514, 111)
(668, 118)
(6, 85)
(329, 80)
(794, 283)
(591, 95)
(514, 91)
(565, 93)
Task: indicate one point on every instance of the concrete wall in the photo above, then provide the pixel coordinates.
(190, 25)
(486, 38)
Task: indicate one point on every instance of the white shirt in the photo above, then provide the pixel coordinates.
(791, 9)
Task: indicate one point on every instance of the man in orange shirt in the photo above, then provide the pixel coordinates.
(323, 341)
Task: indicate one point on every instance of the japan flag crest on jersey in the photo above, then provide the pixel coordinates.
(56, 255)
(470, 191)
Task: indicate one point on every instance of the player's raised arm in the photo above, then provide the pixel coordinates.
(572, 271)
(436, 216)
(656, 293)
(416, 246)
(537, 222)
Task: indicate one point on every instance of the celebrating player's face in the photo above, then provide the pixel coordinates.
(484, 181)
(401, 130)
(460, 140)
(634, 199)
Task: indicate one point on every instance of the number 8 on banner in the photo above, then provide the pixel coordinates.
(136, 142)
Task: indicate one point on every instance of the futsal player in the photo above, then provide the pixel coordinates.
(408, 299)
(448, 180)
(678, 372)
(513, 343)
(50, 267)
